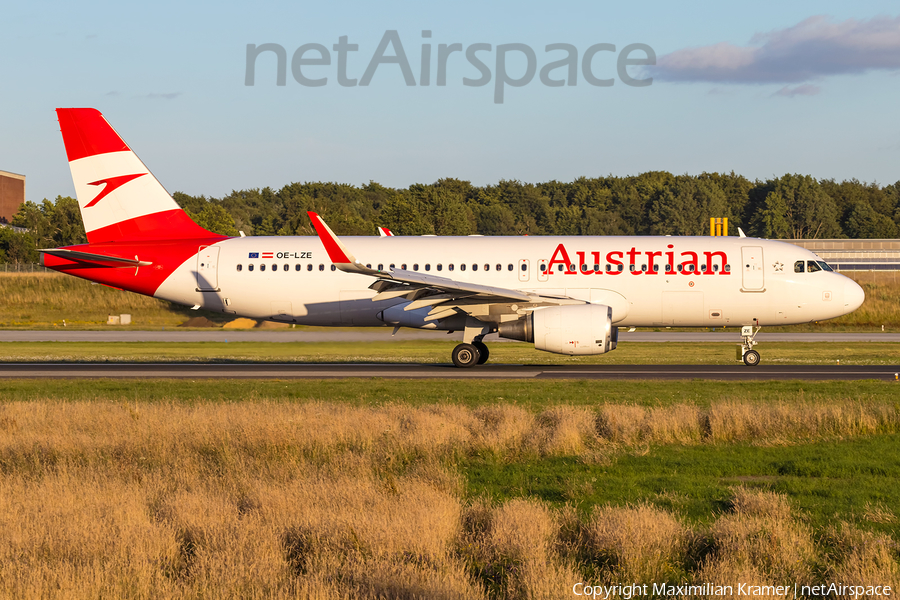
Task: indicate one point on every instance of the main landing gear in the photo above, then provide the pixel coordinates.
(473, 351)
(469, 355)
(745, 350)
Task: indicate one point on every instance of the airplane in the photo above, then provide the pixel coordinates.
(563, 294)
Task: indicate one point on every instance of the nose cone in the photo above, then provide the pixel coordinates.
(853, 295)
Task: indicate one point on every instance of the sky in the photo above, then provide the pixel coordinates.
(760, 88)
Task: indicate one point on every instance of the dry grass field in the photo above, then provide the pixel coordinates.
(45, 300)
(322, 500)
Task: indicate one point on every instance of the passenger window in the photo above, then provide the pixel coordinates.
(462, 267)
(727, 268)
(440, 267)
(499, 267)
(403, 266)
(321, 267)
(812, 266)
(487, 267)
(644, 268)
(656, 268)
(381, 267)
(415, 266)
(274, 267)
(631, 268)
(799, 266)
(297, 267)
(668, 268)
(450, 267)
(309, 267)
(333, 268)
(703, 268)
(288, 267)
(510, 267)
(262, 267)
(584, 268)
(543, 268)
(427, 266)
(239, 267)
(525, 267)
(474, 267)
(250, 267)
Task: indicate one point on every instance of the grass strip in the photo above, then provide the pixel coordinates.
(855, 353)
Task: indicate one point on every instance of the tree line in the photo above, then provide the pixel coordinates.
(653, 203)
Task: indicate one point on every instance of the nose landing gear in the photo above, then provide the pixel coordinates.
(745, 350)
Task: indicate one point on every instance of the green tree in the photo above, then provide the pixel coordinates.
(865, 223)
(17, 247)
(216, 219)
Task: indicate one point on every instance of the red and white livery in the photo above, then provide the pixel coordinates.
(566, 295)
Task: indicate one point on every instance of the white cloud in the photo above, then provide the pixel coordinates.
(804, 89)
(814, 48)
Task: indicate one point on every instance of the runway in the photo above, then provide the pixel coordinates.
(444, 371)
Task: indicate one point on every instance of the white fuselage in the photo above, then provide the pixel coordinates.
(663, 281)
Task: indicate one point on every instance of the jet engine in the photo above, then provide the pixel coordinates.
(570, 329)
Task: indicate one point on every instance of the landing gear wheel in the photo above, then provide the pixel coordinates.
(751, 358)
(465, 356)
(483, 352)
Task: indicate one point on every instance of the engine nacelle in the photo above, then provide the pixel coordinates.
(571, 329)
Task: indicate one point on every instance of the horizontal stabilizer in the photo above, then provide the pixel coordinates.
(97, 259)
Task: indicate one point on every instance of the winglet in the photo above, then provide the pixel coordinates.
(337, 251)
(385, 232)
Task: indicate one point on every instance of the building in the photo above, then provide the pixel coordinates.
(12, 195)
(855, 255)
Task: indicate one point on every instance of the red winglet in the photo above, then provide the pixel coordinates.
(86, 133)
(329, 240)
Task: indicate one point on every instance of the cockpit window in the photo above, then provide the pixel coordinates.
(799, 267)
(812, 266)
(825, 266)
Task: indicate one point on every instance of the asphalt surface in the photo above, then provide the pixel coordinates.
(404, 335)
(414, 371)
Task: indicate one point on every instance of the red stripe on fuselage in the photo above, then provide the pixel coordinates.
(86, 133)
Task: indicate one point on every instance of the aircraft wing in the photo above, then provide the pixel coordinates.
(424, 289)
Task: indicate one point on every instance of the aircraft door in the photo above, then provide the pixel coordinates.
(524, 269)
(753, 276)
(207, 269)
